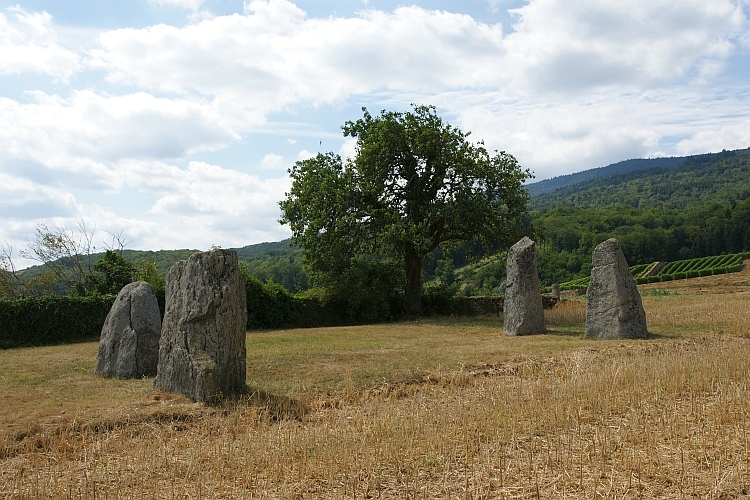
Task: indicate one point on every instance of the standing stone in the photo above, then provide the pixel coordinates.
(555, 291)
(523, 313)
(202, 347)
(129, 343)
(614, 309)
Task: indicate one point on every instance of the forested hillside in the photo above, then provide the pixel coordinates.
(696, 209)
(720, 177)
(619, 168)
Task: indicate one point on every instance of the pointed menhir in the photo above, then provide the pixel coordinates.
(523, 313)
(614, 309)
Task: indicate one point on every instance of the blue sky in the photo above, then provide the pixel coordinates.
(173, 122)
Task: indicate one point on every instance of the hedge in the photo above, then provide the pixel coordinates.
(52, 319)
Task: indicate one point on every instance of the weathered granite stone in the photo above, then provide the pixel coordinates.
(129, 343)
(202, 346)
(523, 313)
(614, 309)
(555, 291)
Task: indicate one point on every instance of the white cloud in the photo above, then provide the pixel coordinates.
(561, 45)
(348, 148)
(730, 136)
(202, 201)
(273, 162)
(579, 132)
(29, 43)
(210, 189)
(86, 133)
(274, 56)
(305, 155)
(23, 198)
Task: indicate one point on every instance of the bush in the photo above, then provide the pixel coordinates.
(269, 305)
(442, 301)
(52, 319)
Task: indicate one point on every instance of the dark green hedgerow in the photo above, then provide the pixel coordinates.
(52, 320)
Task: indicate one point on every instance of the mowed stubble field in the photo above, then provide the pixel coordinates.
(444, 408)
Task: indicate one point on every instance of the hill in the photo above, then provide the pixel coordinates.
(718, 177)
(619, 168)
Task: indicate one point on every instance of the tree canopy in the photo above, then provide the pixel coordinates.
(415, 183)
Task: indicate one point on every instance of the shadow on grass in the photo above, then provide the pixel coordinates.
(272, 406)
(558, 331)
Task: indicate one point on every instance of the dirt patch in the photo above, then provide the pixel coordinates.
(723, 283)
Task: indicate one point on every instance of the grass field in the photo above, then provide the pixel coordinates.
(430, 409)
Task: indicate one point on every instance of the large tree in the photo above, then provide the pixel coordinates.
(414, 183)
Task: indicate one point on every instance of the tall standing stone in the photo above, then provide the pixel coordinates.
(129, 343)
(523, 313)
(614, 309)
(202, 347)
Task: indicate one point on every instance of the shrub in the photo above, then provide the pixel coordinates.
(269, 305)
(52, 319)
(442, 301)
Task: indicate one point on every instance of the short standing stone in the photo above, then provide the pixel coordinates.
(614, 309)
(202, 347)
(555, 291)
(523, 313)
(129, 343)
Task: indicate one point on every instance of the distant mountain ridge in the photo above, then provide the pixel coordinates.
(722, 178)
(619, 168)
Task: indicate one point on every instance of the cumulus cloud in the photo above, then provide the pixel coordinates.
(274, 56)
(594, 43)
(23, 198)
(28, 42)
(587, 131)
(86, 133)
(204, 200)
(730, 136)
(213, 190)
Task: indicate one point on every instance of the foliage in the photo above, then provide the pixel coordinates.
(704, 179)
(414, 184)
(621, 167)
(52, 319)
(279, 262)
(269, 305)
(113, 272)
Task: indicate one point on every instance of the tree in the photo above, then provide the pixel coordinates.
(414, 184)
(113, 272)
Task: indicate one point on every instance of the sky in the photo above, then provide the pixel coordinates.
(172, 123)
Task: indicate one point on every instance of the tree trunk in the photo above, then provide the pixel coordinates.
(413, 263)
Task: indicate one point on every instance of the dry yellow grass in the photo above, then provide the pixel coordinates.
(431, 409)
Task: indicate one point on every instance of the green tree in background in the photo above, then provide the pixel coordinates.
(414, 183)
(113, 272)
